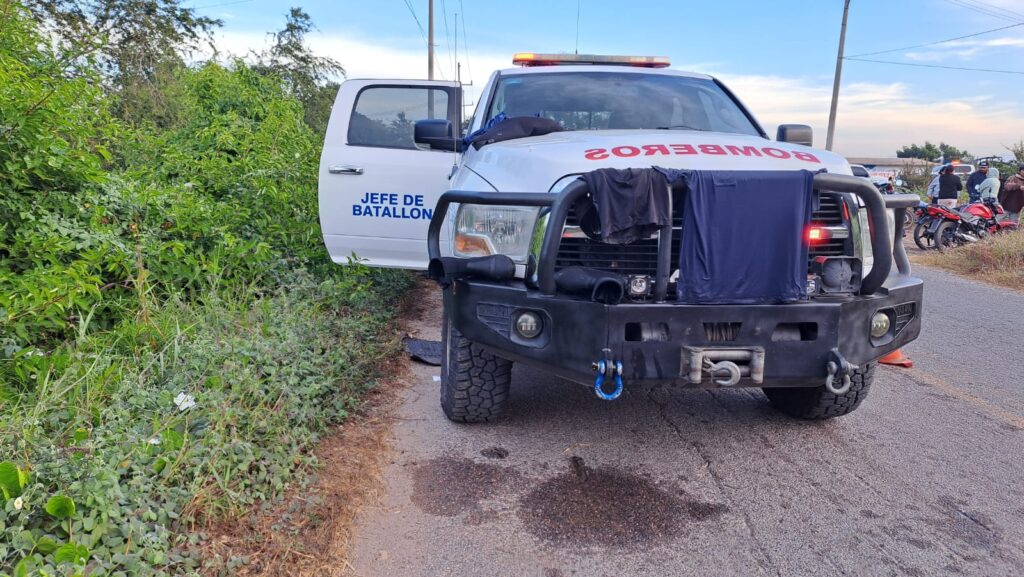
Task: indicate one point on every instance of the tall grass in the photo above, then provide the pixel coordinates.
(999, 260)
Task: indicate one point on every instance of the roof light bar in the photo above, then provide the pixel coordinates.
(534, 59)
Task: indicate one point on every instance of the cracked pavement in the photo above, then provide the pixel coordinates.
(924, 478)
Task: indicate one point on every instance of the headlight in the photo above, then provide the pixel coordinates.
(483, 230)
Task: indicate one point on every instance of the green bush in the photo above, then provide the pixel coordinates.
(54, 126)
(229, 199)
(54, 120)
(173, 336)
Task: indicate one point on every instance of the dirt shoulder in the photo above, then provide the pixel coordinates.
(309, 532)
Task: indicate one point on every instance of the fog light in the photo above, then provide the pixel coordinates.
(528, 325)
(879, 325)
(639, 286)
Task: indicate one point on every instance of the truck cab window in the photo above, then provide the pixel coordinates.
(384, 116)
(620, 100)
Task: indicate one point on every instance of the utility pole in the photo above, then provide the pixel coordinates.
(430, 40)
(835, 83)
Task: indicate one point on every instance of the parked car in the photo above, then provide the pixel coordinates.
(860, 170)
(961, 170)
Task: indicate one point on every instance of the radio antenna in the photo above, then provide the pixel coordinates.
(577, 51)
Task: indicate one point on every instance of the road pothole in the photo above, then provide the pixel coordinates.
(606, 507)
(495, 452)
(449, 486)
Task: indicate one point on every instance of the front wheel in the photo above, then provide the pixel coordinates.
(908, 220)
(474, 382)
(922, 239)
(817, 403)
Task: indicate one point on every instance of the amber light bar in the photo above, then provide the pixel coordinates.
(534, 59)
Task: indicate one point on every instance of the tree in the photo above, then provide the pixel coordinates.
(135, 42)
(1017, 150)
(932, 153)
(310, 78)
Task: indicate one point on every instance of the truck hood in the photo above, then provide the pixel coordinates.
(536, 163)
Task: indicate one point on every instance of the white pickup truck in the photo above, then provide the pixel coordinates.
(403, 185)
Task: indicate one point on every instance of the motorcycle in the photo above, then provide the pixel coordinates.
(940, 228)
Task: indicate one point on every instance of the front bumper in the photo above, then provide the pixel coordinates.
(657, 341)
(651, 340)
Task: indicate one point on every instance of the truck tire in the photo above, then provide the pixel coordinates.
(474, 382)
(815, 404)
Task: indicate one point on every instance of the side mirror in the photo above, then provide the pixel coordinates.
(795, 134)
(437, 134)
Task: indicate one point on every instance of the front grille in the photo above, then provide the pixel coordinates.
(640, 258)
(829, 213)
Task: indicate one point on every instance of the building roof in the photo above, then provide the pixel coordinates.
(888, 161)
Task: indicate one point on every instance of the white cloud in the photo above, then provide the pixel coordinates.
(376, 59)
(964, 49)
(939, 55)
(877, 119)
(1016, 42)
(874, 119)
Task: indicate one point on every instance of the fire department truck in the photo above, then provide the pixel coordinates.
(503, 211)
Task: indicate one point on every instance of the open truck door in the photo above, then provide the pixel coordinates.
(378, 187)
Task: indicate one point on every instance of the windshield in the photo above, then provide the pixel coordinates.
(610, 100)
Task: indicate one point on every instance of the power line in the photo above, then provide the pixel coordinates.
(448, 36)
(937, 41)
(1001, 8)
(988, 9)
(423, 33)
(418, 24)
(465, 42)
(997, 7)
(917, 64)
(975, 8)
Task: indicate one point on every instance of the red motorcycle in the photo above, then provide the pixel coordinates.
(940, 228)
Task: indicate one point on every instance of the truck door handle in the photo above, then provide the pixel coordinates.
(350, 170)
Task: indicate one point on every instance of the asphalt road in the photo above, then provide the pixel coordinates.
(925, 478)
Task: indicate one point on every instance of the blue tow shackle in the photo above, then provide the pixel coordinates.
(602, 368)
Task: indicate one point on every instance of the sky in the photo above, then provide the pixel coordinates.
(777, 56)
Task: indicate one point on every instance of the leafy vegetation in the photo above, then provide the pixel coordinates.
(932, 153)
(308, 77)
(173, 338)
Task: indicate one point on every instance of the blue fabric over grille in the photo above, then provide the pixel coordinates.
(742, 238)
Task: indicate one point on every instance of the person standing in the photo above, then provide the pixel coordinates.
(988, 190)
(949, 187)
(933, 187)
(976, 178)
(1012, 197)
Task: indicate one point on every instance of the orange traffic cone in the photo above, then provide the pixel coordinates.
(896, 358)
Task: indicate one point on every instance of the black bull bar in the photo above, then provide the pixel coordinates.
(886, 248)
